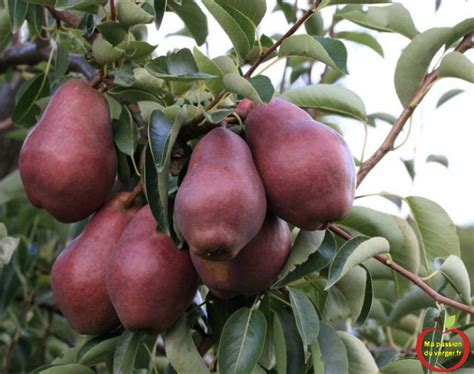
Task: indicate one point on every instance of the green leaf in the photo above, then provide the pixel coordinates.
(264, 87)
(448, 95)
(152, 191)
(218, 115)
(404, 248)
(90, 6)
(208, 66)
(315, 24)
(316, 358)
(34, 16)
(386, 117)
(126, 352)
(330, 51)
(253, 9)
(5, 29)
(113, 32)
(440, 159)
(317, 260)
(95, 351)
(67, 369)
(11, 187)
(434, 318)
(354, 252)
(226, 65)
(8, 245)
(306, 243)
(462, 28)
(306, 318)
(125, 133)
(456, 65)
(181, 350)
(336, 2)
(26, 112)
(415, 59)
(131, 95)
(177, 66)
(354, 286)
(328, 97)
(436, 231)
(193, 17)
(61, 61)
(17, 10)
(160, 8)
(454, 269)
(162, 134)
(241, 342)
(237, 84)
(136, 50)
(361, 38)
(238, 27)
(413, 301)
(130, 14)
(368, 299)
(105, 53)
(288, 345)
(390, 18)
(333, 350)
(359, 358)
(412, 366)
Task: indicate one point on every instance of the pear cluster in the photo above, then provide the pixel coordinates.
(237, 198)
(233, 208)
(119, 270)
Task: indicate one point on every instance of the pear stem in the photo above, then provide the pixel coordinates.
(137, 190)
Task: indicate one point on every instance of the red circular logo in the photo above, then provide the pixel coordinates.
(422, 347)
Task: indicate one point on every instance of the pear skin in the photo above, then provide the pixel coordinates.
(150, 281)
(68, 161)
(221, 205)
(78, 274)
(306, 167)
(255, 268)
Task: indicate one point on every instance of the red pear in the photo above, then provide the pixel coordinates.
(306, 167)
(78, 274)
(149, 280)
(221, 205)
(68, 162)
(255, 268)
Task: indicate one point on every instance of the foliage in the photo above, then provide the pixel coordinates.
(334, 308)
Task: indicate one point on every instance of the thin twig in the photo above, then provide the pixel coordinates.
(409, 275)
(286, 35)
(113, 13)
(388, 143)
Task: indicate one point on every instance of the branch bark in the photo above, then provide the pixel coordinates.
(409, 275)
(388, 143)
(67, 17)
(32, 54)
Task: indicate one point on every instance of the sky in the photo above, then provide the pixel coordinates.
(447, 131)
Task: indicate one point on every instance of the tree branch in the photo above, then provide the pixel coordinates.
(32, 54)
(409, 275)
(67, 17)
(290, 32)
(388, 143)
